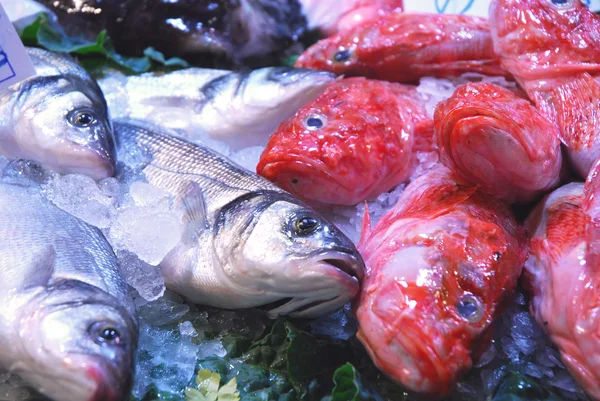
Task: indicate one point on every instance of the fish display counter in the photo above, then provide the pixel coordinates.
(299, 200)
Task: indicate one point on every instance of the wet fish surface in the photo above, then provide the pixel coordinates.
(440, 267)
(403, 47)
(495, 139)
(67, 325)
(58, 119)
(561, 276)
(248, 242)
(553, 50)
(206, 32)
(239, 108)
(352, 143)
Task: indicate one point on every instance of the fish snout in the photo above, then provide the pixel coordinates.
(112, 379)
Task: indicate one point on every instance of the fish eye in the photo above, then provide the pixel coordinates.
(305, 225)
(561, 3)
(342, 55)
(102, 333)
(314, 122)
(470, 308)
(82, 118)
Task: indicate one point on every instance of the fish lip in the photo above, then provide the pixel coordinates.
(111, 384)
(417, 347)
(345, 260)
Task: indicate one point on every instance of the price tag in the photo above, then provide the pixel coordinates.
(15, 64)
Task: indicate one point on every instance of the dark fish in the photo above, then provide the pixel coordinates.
(228, 30)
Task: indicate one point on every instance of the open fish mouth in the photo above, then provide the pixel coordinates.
(347, 272)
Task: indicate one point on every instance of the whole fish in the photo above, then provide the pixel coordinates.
(250, 243)
(239, 108)
(562, 278)
(403, 47)
(206, 32)
(330, 17)
(355, 141)
(552, 47)
(499, 141)
(57, 118)
(439, 267)
(67, 324)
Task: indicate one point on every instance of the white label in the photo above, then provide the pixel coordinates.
(15, 64)
(477, 8)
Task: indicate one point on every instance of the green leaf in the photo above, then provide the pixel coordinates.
(208, 383)
(519, 387)
(92, 54)
(191, 394)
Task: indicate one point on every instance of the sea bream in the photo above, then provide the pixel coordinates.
(247, 242)
(58, 118)
(440, 267)
(238, 108)
(67, 324)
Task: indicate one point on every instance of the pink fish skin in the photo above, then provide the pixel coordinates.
(564, 282)
(355, 141)
(441, 265)
(499, 141)
(552, 47)
(331, 17)
(404, 47)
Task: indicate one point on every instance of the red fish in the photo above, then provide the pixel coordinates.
(495, 139)
(355, 141)
(333, 16)
(552, 47)
(403, 47)
(440, 267)
(564, 282)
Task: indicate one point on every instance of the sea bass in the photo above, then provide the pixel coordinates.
(403, 47)
(561, 275)
(249, 243)
(239, 108)
(67, 325)
(439, 267)
(493, 138)
(208, 32)
(355, 141)
(58, 119)
(330, 17)
(552, 47)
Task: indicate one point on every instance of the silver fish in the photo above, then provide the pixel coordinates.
(58, 118)
(67, 324)
(248, 242)
(239, 108)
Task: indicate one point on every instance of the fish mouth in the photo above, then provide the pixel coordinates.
(409, 356)
(347, 272)
(111, 383)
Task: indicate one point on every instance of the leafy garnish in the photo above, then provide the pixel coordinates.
(348, 386)
(209, 388)
(50, 36)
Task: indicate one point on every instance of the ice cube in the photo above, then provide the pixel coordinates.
(80, 196)
(213, 348)
(145, 278)
(248, 157)
(164, 311)
(187, 329)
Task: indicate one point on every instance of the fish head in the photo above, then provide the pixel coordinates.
(544, 38)
(289, 257)
(79, 342)
(350, 144)
(427, 303)
(62, 123)
(338, 54)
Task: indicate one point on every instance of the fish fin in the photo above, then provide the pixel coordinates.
(365, 229)
(195, 209)
(572, 104)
